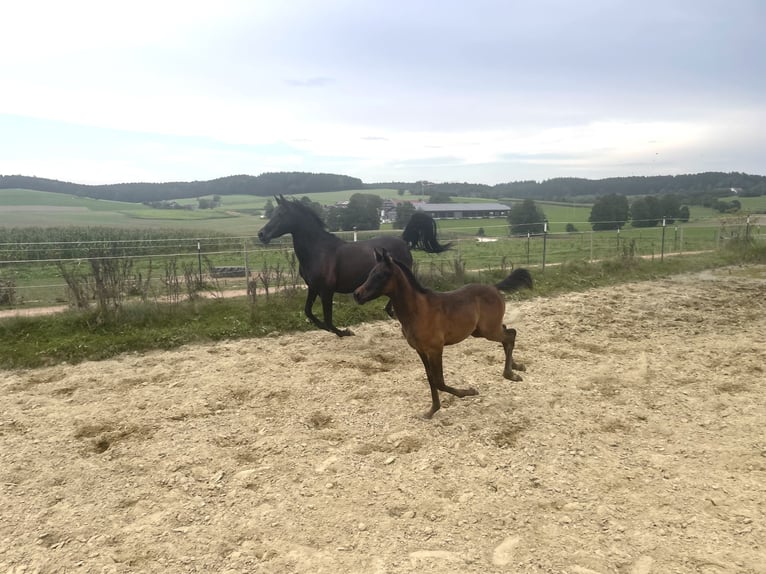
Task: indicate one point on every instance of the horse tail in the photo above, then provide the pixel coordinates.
(518, 279)
(420, 233)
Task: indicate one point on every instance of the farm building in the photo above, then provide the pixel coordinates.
(463, 210)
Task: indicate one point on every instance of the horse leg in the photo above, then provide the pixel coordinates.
(435, 402)
(509, 342)
(327, 312)
(308, 309)
(435, 370)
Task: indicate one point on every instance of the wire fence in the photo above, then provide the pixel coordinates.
(39, 273)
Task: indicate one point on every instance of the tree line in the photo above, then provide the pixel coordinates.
(693, 189)
(609, 212)
(264, 185)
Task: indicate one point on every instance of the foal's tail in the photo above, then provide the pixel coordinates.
(518, 279)
(420, 233)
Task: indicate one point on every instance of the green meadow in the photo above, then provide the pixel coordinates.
(240, 214)
(153, 240)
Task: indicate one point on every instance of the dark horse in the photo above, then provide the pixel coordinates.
(430, 320)
(330, 265)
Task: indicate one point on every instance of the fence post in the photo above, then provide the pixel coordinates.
(662, 248)
(618, 241)
(529, 235)
(199, 261)
(545, 240)
(244, 255)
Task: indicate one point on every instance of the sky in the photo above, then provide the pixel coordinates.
(486, 91)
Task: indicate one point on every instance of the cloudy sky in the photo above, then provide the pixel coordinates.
(483, 91)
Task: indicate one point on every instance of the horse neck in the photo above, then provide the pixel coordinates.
(307, 240)
(404, 296)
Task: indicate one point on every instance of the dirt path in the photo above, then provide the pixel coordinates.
(636, 444)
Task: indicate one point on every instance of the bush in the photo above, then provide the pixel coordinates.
(7, 292)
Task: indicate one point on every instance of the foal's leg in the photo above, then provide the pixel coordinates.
(435, 372)
(435, 402)
(509, 342)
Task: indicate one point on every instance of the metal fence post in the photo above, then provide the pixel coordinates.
(199, 261)
(529, 235)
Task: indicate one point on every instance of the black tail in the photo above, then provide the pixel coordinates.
(420, 233)
(518, 279)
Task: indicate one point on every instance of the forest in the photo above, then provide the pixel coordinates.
(692, 189)
(266, 184)
(695, 189)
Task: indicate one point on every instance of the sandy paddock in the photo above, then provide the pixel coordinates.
(635, 444)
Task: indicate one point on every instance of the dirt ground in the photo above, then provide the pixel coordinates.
(635, 444)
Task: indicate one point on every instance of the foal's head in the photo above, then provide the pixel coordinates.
(289, 216)
(380, 280)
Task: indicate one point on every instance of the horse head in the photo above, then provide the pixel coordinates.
(280, 222)
(377, 282)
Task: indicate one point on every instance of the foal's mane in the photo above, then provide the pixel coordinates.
(416, 284)
(302, 210)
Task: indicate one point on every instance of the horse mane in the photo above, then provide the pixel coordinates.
(303, 210)
(418, 286)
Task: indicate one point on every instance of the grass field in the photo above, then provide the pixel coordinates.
(239, 214)
(42, 283)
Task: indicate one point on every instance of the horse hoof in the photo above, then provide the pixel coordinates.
(470, 392)
(512, 376)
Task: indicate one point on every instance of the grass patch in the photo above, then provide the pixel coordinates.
(72, 336)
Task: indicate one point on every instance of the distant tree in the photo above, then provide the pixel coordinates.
(646, 212)
(526, 217)
(723, 206)
(317, 207)
(440, 197)
(571, 228)
(334, 217)
(755, 191)
(683, 214)
(480, 232)
(404, 211)
(670, 207)
(362, 212)
(609, 212)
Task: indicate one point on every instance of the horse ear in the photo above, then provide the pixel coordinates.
(379, 254)
(279, 198)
